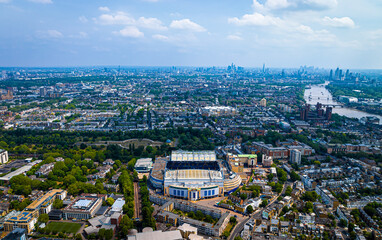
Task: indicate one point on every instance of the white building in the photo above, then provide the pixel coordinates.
(143, 165)
(254, 202)
(263, 102)
(267, 161)
(307, 218)
(3, 156)
(295, 156)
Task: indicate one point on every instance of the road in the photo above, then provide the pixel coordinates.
(137, 203)
(239, 227)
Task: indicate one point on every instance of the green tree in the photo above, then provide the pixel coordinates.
(58, 203)
(233, 220)
(101, 233)
(264, 203)
(110, 201)
(294, 176)
(43, 218)
(109, 234)
(249, 209)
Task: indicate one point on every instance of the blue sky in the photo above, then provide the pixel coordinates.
(279, 33)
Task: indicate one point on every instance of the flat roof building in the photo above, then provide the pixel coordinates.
(83, 207)
(157, 235)
(27, 218)
(143, 165)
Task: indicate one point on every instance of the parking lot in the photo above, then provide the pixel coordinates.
(6, 168)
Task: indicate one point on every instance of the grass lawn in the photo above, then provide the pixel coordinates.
(67, 227)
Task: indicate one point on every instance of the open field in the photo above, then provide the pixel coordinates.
(67, 227)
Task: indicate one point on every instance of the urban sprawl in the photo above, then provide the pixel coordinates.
(190, 153)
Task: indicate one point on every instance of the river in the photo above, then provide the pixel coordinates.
(319, 93)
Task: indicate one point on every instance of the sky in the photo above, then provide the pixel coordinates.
(249, 33)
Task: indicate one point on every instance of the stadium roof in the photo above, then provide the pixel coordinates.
(193, 174)
(201, 156)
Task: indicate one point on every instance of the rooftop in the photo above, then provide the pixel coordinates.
(193, 174)
(193, 156)
(157, 235)
(43, 199)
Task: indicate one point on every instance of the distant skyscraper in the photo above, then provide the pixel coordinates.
(263, 67)
(337, 74)
(331, 74)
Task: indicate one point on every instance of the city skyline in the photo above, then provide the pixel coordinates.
(279, 33)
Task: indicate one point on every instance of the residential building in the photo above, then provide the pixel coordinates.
(17, 234)
(295, 157)
(3, 156)
(267, 161)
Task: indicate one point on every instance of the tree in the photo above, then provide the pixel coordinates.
(243, 196)
(288, 191)
(43, 218)
(199, 215)
(109, 234)
(343, 222)
(110, 201)
(101, 233)
(249, 209)
(294, 176)
(78, 236)
(209, 219)
(264, 203)
(58, 203)
(281, 174)
(310, 196)
(270, 177)
(232, 220)
(191, 215)
(126, 224)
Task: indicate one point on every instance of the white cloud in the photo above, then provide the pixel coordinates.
(41, 1)
(120, 18)
(80, 35)
(308, 34)
(49, 34)
(160, 37)
(151, 23)
(150, 0)
(104, 9)
(83, 34)
(234, 37)
(277, 4)
(83, 19)
(376, 34)
(299, 5)
(344, 22)
(5, 1)
(317, 4)
(187, 24)
(130, 31)
(255, 19)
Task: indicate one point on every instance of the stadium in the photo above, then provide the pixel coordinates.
(193, 175)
